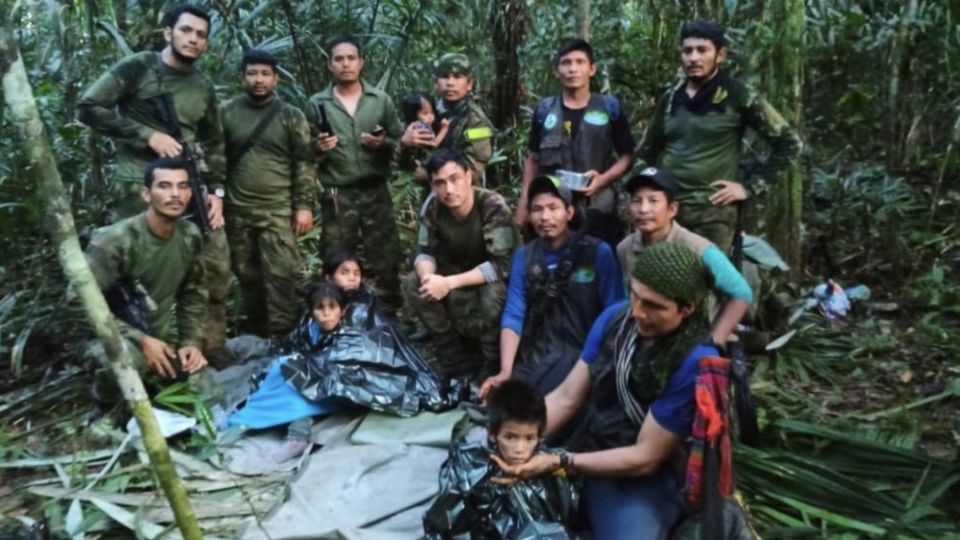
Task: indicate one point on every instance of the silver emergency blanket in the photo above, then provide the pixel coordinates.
(368, 362)
(470, 506)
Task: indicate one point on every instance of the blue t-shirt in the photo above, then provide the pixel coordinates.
(674, 408)
(609, 282)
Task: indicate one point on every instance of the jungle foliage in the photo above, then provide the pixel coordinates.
(861, 423)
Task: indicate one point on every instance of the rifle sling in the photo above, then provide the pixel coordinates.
(234, 157)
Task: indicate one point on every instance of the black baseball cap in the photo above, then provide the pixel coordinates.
(653, 177)
(552, 185)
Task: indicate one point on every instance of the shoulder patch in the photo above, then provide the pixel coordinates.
(478, 133)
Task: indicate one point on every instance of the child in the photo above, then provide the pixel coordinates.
(280, 398)
(471, 503)
(407, 384)
(418, 108)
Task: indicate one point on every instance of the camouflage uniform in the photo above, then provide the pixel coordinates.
(699, 143)
(485, 240)
(355, 206)
(119, 105)
(171, 272)
(470, 130)
(274, 177)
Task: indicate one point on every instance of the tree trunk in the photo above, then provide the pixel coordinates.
(898, 69)
(509, 34)
(97, 185)
(304, 65)
(583, 19)
(785, 198)
(18, 96)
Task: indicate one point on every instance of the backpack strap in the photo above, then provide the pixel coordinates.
(234, 157)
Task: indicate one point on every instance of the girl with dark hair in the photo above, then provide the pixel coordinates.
(280, 399)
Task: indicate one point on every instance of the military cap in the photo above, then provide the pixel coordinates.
(453, 63)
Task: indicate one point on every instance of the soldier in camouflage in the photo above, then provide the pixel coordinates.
(470, 131)
(696, 132)
(464, 248)
(162, 254)
(356, 129)
(271, 190)
(120, 104)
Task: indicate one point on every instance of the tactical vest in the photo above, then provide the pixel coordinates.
(590, 149)
(561, 306)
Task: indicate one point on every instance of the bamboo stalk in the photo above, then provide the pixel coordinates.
(18, 96)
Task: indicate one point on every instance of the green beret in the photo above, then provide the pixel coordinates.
(674, 271)
(453, 63)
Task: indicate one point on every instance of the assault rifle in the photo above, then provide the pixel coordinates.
(198, 200)
(130, 302)
(740, 365)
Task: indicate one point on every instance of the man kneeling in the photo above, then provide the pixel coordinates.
(150, 264)
(466, 241)
(636, 374)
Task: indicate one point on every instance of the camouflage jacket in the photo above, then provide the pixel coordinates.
(699, 149)
(119, 105)
(278, 172)
(471, 132)
(170, 269)
(485, 239)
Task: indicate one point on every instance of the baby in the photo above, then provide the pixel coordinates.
(418, 109)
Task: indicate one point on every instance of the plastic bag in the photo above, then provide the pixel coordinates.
(472, 506)
(368, 362)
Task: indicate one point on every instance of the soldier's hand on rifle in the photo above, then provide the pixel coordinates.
(157, 354)
(164, 145)
(215, 211)
(417, 137)
(191, 359)
(727, 192)
(434, 288)
(325, 142)
(302, 221)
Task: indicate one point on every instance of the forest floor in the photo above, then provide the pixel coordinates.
(860, 419)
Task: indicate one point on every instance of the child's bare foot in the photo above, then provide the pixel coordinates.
(291, 448)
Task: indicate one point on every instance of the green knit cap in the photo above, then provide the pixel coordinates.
(674, 271)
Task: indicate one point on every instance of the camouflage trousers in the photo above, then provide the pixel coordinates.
(265, 258)
(361, 220)
(472, 313)
(715, 223)
(127, 202)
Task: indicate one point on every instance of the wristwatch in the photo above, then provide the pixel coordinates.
(219, 193)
